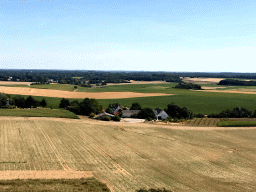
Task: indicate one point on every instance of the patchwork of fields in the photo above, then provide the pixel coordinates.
(129, 157)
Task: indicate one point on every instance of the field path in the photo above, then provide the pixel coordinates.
(129, 156)
(77, 95)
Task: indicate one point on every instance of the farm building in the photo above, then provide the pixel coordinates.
(129, 113)
(160, 114)
(104, 114)
(116, 109)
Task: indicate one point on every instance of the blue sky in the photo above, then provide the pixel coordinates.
(141, 35)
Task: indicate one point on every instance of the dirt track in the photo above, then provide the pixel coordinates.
(77, 95)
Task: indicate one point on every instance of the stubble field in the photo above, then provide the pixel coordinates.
(129, 157)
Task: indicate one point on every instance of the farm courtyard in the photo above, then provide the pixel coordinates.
(128, 157)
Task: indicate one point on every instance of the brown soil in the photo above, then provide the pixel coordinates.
(78, 95)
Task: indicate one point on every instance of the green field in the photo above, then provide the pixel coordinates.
(38, 113)
(197, 101)
(237, 124)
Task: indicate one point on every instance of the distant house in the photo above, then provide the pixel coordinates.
(50, 80)
(104, 114)
(116, 110)
(160, 114)
(129, 113)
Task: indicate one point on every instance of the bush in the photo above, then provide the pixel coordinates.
(199, 115)
(92, 115)
(106, 118)
(116, 118)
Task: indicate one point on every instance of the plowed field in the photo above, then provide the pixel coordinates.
(129, 157)
(77, 95)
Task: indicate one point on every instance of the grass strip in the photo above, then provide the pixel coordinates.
(59, 113)
(52, 185)
(237, 124)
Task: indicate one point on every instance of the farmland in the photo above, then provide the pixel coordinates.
(204, 102)
(129, 157)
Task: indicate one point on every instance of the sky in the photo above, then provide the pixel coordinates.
(130, 35)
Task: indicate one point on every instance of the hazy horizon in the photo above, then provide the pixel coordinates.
(178, 36)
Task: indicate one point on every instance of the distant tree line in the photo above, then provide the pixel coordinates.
(237, 82)
(188, 86)
(84, 78)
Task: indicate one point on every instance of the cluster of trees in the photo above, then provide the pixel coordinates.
(237, 112)
(237, 82)
(188, 86)
(21, 102)
(175, 111)
(85, 107)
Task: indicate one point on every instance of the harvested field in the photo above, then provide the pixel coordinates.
(202, 80)
(229, 91)
(14, 83)
(78, 95)
(129, 157)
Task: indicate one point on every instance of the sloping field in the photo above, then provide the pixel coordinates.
(78, 95)
(129, 157)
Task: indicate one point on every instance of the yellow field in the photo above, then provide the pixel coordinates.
(129, 157)
(76, 95)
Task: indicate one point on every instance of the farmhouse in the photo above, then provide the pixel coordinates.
(129, 113)
(116, 110)
(160, 114)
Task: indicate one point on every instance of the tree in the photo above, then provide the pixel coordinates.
(19, 101)
(43, 103)
(135, 106)
(88, 106)
(31, 102)
(146, 113)
(64, 103)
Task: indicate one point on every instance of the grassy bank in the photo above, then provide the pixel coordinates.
(52, 185)
(237, 124)
(38, 113)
